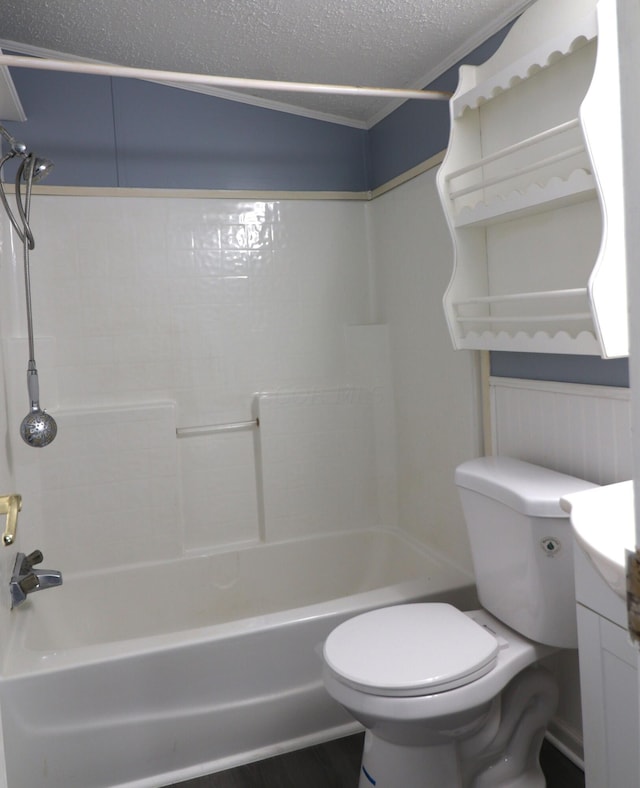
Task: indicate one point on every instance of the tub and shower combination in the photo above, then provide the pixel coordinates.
(146, 676)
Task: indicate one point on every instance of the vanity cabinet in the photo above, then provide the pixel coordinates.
(608, 682)
(531, 187)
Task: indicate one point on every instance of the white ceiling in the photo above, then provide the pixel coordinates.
(391, 43)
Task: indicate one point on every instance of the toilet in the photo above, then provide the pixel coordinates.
(453, 699)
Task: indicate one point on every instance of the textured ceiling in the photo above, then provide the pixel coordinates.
(395, 43)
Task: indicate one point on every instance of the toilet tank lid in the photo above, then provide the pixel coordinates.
(529, 489)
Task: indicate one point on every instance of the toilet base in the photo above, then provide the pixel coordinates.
(387, 765)
(503, 753)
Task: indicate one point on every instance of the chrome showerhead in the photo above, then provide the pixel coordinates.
(36, 168)
(37, 428)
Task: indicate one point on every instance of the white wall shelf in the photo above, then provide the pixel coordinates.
(580, 185)
(507, 73)
(532, 189)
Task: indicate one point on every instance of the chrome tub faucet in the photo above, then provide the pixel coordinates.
(25, 579)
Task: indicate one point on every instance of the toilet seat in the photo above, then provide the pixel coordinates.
(410, 650)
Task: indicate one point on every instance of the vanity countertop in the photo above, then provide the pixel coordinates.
(604, 526)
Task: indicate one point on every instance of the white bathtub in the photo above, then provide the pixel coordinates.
(151, 675)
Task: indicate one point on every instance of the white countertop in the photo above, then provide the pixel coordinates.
(603, 522)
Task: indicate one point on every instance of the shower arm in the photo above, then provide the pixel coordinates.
(18, 148)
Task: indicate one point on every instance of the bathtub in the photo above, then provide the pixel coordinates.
(146, 676)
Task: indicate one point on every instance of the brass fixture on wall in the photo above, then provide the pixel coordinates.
(10, 505)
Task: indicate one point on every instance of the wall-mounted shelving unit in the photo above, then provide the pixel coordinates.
(532, 189)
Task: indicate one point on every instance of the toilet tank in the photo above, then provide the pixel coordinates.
(521, 544)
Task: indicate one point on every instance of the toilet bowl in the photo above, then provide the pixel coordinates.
(453, 699)
(436, 714)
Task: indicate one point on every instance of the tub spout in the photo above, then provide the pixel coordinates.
(25, 579)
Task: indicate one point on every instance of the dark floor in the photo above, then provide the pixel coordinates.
(337, 765)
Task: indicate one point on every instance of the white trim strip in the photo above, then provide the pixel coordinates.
(233, 194)
(190, 194)
(560, 387)
(564, 749)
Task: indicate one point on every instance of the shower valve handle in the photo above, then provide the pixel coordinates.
(33, 558)
(29, 583)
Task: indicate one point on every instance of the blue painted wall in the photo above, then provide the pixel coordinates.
(206, 142)
(70, 121)
(419, 129)
(568, 369)
(117, 132)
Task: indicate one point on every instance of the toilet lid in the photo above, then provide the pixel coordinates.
(416, 649)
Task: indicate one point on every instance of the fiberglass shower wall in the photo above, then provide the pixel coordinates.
(8, 481)
(159, 310)
(143, 302)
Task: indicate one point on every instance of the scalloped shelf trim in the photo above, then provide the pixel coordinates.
(538, 195)
(527, 66)
(585, 343)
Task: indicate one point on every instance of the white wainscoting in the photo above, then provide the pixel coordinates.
(578, 429)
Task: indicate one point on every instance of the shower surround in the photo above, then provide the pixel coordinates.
(141, 301)
(156, 312)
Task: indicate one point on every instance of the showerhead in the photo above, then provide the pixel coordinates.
(33, 167)
(37, 428)
(36, 168)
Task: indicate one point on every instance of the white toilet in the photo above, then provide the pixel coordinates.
(452, 699)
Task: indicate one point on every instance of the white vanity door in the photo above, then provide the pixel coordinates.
(609, 702)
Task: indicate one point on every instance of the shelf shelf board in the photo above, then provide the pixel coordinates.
(528, 142)
(565, 316)
(538, 295)
(529, 64)
(584, 344)
(556, 193)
